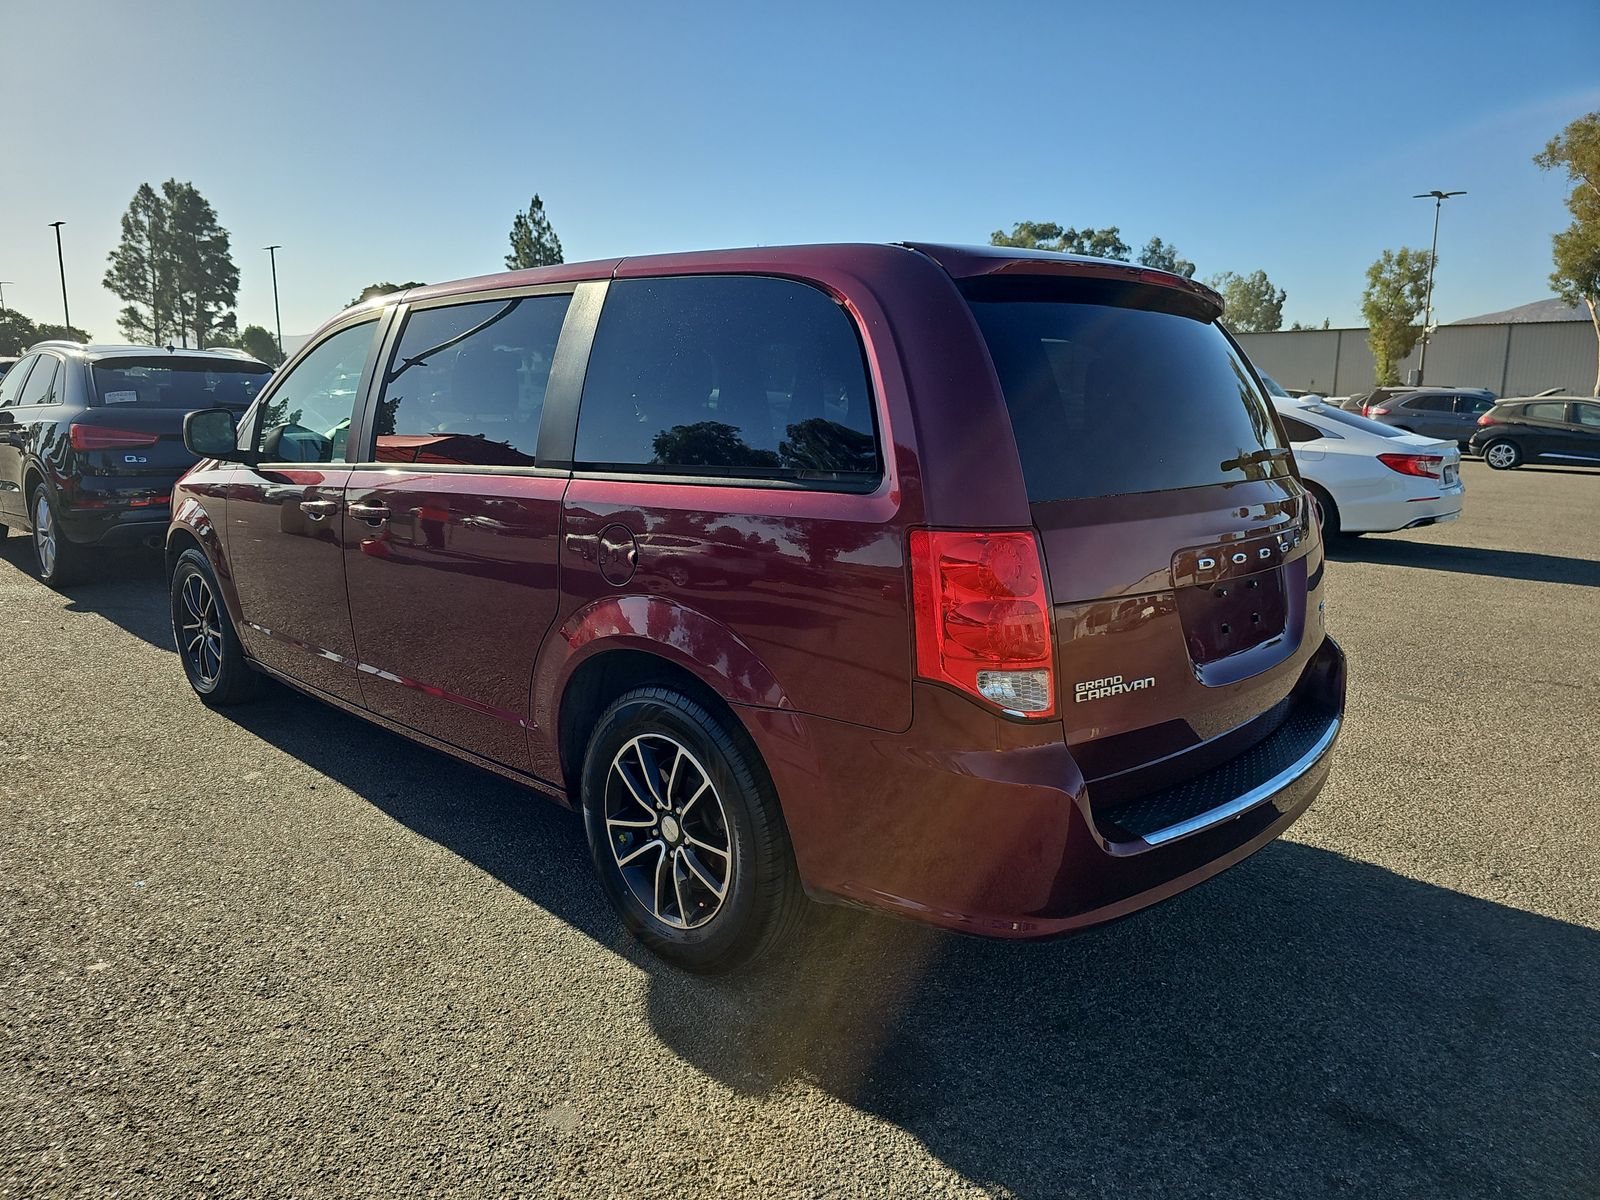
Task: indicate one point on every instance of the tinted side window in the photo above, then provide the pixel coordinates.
(1429, 403)
(11, 385)
(1299, 431)
(467, 383)
(40, 387)
(1473, 404)
(740, 376)
(1587, 414)
(1546, 412)
(307, 419)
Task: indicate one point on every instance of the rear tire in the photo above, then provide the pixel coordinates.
(57, 559)
(207, 645)
(1502, 454)
(1327, 512)
(686, 834)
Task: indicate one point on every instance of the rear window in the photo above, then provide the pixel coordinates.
(177, 383)
(1112, 391)
(727, 376)
(1357, 421)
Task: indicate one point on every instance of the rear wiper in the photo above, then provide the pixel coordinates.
(1252, 457)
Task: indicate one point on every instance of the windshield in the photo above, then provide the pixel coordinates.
(177, 383)
(1110, 398)
(1355, 421)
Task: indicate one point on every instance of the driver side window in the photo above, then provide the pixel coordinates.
(307, 417)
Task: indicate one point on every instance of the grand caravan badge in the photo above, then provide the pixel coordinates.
(1111, 685)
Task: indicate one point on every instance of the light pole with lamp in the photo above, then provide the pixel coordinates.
(276, 314)
(1438, 199)
(61, 265)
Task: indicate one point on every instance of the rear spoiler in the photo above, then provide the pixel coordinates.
(969, 262)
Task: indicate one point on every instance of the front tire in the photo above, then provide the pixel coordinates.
(686, 833)
(1502, 455)
(209, 648)
(58, 560)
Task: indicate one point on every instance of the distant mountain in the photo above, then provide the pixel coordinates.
(1540, 310)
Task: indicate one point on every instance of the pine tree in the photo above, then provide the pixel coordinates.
(533, 240)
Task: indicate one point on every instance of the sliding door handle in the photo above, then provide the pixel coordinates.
(318, 509)
(372, 514)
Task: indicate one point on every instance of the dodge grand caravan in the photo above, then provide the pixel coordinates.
(976, 585)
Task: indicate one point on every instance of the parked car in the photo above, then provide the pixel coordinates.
(91, 442)
(1557, 429)
(967, 584)
(1369, 477)
(1448, 413)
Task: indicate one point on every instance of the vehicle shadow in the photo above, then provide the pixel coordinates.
(1468, 560)
(128, 588)
(1304, 1024)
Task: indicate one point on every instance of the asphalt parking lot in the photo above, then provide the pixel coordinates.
(280, 952)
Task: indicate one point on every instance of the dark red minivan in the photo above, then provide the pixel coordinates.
(972, 584)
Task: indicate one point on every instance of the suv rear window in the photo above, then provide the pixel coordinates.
(735, 376)
(177, 383)
(1114, 390)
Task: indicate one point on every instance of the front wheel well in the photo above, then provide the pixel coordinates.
(600, 680)
(179, 540)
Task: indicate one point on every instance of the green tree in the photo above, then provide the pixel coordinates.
(17, 332)
(533, 240)
(1250, 304)
(140, 271)
(1397, 288)
(374, 290)
(206, 280)
(1576, 249)
(1047, 235)
(173, 267)
(257, 341)
(1163, 257)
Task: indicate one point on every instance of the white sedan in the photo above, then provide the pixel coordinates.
(1367, 477)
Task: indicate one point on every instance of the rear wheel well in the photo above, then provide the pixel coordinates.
(603, 678)
(30, 480)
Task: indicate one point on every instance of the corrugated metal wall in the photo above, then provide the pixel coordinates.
(1510, 360)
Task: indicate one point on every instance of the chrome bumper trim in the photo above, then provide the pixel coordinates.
(1256, 795)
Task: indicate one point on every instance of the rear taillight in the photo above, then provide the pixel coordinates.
(1488, 418)
(98, 437)
(1368, 411)
(1430, 466)
(983, 619)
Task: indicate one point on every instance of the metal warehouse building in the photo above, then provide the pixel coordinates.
(1515, 359)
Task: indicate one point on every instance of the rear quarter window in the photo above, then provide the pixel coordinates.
(727, 376)
(1545, 412)
(1112, 391)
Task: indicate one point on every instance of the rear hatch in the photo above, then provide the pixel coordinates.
(1179, 543)
(134, 423)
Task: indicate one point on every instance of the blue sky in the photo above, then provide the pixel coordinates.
(395, 141)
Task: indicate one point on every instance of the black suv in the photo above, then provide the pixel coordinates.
(91, 441)
(1557, 429)
(1450, 414)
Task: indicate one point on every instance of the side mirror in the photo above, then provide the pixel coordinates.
(211, 433)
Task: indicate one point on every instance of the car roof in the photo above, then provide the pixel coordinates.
(101, 350)
(960, 262)
(1562, 399)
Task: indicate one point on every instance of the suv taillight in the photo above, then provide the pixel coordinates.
(1430, 466)
(1488, 418)
(98, 437)
(1368, 410)
(983, 619)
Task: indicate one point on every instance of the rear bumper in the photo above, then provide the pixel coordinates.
(115, 510)
(1432, 505)
(997, 834)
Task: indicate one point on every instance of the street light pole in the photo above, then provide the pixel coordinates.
(3, 283)
(61, 265)
(1438, 199)
(276, 315)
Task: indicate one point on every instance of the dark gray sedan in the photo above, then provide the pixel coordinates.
(1447, 413)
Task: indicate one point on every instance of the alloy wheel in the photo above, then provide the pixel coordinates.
(200, 631)
(668, 831)
(44, 533)
(1501, 455)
